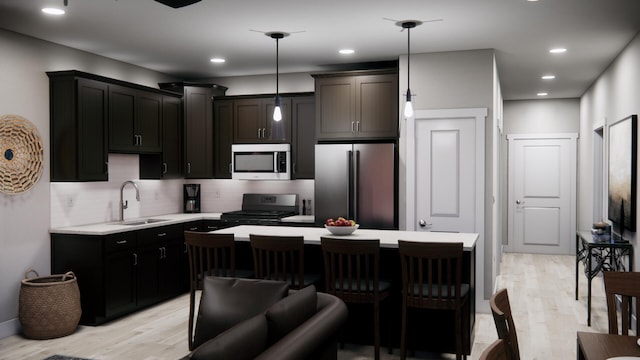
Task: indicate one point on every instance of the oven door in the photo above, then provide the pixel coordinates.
(260, 161)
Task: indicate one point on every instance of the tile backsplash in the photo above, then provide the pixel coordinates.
(81, 203)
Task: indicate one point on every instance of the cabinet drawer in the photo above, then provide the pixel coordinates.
(121, 241)
(162, 233)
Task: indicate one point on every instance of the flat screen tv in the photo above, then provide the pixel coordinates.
(622, 175)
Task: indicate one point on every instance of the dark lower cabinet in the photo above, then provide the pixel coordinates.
(121, 273)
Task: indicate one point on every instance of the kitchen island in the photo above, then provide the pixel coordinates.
(428, 330)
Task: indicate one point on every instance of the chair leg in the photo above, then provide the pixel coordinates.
(192, 295)
(458, 330)
(403, 334)
(376, 329)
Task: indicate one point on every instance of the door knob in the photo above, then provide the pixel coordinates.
(518, 202)
(423, 223)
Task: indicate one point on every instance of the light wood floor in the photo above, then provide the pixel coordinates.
(541, 290)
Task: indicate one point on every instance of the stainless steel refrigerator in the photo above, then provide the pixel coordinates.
(357, 181)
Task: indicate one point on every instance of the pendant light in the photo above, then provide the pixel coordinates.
(408, 25)
(277, 112)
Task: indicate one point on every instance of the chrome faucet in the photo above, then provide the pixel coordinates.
(125, 204)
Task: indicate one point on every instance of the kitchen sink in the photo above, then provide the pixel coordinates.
(140, 221)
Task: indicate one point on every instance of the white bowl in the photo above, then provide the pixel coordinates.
(342, 230)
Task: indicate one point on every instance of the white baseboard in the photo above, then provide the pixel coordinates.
(9, 328)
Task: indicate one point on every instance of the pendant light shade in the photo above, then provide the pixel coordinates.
(408, 25)
(277, 112)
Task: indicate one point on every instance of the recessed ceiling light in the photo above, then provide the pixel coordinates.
(53, 11)
(557, 50)
(217, 60)
(542, 94)
(346, 51)
(532, 0)
(548, 77)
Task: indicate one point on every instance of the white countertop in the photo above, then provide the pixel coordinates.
(388, 238)
(117, 227)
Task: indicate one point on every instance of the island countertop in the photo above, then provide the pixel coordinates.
(388, 238)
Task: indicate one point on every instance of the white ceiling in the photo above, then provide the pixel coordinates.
(180, 42)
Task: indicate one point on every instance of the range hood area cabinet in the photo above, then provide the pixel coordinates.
(239, 119)
(357, 105)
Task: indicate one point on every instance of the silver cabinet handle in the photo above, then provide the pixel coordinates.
(259, 133)
(353, 126)
(121, 242)
(188, 168)
(264, 133)
(164, 168)
(140, 141)
(358, 126)
(135, 259)
(162, 234)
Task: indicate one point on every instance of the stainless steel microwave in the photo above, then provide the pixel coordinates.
(261, 161)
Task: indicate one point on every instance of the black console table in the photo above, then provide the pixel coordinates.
(599, 256)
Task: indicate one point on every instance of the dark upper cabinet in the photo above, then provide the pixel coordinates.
(169, 163)
(198, 118)
(223, 123)
(253, 121)
(303, 141)
(357, 106)
(135, 120)
(78, 128)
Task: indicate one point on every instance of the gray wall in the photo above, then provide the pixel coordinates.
(24, 218)
(614, 96)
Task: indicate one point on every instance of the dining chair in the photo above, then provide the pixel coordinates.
(281, 258)
(496, 351)
(352, 273)
(210, 254)
(626, 285)
(501, 310)
(432, 279)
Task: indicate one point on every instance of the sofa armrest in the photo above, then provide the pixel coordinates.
(313, 335)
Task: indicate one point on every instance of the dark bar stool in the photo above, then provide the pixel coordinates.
(506, 328)
(352, 273)
(210, 254)
(432, 279)
(281, 258)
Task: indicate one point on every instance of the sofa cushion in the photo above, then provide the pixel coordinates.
(226, 302)
(288, 313)
(246, 340)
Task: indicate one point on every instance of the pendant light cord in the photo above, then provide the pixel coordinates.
(408, 60)
(277, 66)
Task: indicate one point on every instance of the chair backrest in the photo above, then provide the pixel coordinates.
(627, 286)
(210, 254)
(352, 268)
(279, 258)
(432, 274)
(501, 310)
(495, 351)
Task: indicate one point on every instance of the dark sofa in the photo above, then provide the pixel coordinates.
(262, 319)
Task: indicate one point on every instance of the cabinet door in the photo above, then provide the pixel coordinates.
(148, 122)
(276, 131)
(147, 279)
(304, 137)
(377, 106)
(120, 282)
(171, 275)
(335, 107)
(122, 114)
(91, 154)
(223, 118)
(248, 125)
(199, 132)
(171, 137)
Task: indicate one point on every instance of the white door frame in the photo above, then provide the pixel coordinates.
(573, 137)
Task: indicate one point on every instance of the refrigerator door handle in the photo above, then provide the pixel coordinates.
(356, 185)
(350, 187)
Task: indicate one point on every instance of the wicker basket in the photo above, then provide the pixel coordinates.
(49, 305)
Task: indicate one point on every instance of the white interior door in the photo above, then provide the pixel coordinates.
(542, 175)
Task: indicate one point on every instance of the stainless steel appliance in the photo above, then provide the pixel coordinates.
(262, 209)
(191, 195)
(261, 161)
(357, 181)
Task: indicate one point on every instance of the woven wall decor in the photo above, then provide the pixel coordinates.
(21, 154)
